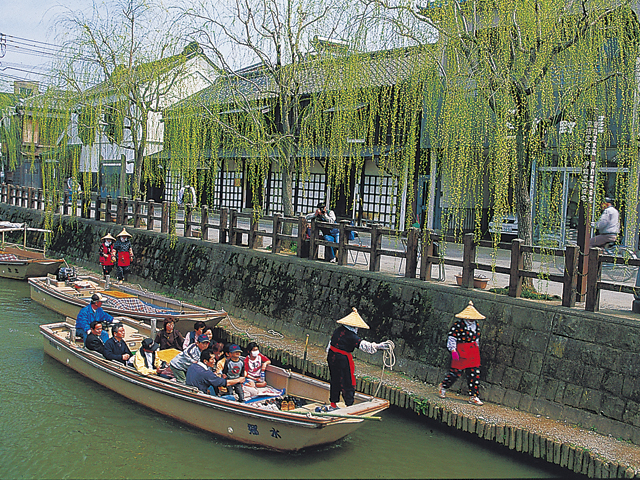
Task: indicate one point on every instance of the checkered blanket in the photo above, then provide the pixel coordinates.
(8, 257)
(135, 305)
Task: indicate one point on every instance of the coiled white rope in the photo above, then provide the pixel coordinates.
(388, 361)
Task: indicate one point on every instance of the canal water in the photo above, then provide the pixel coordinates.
(57, 424)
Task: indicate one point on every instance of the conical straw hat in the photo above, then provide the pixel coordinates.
(108, 237)
(470, 313)
(124, 233)
(353, 320)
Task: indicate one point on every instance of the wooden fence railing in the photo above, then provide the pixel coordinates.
(417, 248)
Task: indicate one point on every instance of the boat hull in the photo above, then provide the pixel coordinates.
(28, 264)
(69, 302)
(238, 422)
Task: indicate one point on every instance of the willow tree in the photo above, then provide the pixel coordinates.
(125, 63)
(510, 72)
(275, 36)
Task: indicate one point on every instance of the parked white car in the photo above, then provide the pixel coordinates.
(508, 226)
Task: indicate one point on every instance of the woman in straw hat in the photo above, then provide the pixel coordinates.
(464, 344)
(107, 254)
(124, 254)
(343, 342)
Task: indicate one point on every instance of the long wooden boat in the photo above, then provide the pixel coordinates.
(255, 423)
(69, 296)
(21, 264)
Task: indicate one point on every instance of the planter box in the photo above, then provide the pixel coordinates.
(477, 282)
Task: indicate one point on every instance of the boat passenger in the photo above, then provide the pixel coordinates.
(181, 362)
(255, 365)
(169, 337)
(190, 338)
(107, 254)
(201, 376)
(116, 348)
(96, 338)
(233, 369)
(145, 361)
(124, 254)
(339, 357)
(89, 313)
(222, 361)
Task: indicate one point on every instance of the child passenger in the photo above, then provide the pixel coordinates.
(234, 368)
(255, 365)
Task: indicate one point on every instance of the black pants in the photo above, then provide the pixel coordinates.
(473, 377)
(122, 271)
(340, 372)
(106, 269)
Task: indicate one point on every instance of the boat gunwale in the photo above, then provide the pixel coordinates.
(192, 395)
(197, 313)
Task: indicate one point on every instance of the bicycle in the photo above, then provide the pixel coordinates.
(618, 272)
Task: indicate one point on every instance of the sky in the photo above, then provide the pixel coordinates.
(23, 25)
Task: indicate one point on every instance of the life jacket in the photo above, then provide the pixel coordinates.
(106, 254)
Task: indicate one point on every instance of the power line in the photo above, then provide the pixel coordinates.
(29, 40)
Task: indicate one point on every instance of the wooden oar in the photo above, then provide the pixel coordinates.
(340, 415)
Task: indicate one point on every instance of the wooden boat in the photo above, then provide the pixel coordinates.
(69, 296)
(254, 423)
(21, 263)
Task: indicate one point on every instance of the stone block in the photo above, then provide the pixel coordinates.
(511, 378)
(529, 383)
(547, 388)
(521, 359)
(495, 373)
(613, 407)
(525, 403)
(511, 399)
(504, 354)
(591, 400)
(495, 394)
(537, 362)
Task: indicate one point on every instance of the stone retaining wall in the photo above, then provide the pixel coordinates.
(567, 364)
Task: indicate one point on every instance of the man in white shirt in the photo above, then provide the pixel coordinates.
(608, 226)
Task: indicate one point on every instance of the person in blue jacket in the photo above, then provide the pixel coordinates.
(89, 313)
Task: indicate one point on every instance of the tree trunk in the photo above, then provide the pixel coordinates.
(523, 199)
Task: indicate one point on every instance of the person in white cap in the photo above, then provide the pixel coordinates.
(107, 254)
(464, 344)
(124, 254)
(343, 342)
(90, 313)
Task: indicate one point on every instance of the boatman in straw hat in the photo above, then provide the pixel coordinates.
(464, 344)
(124, 254)
(107, 254)
(340, 359)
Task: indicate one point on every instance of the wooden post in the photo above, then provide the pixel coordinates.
(204, 222)
(302, 233)
(85, 205)
(233, 224)
(107, 210)
(188, 215)
(39, 201)
(411, 264)
(65, 203)
(223, 236)
(313, 247)
(374, 253)
(343, 253)
(592, 301)
(253, 232)
(427, 251)
(517, 264)
(137, 213)
(30, 197)
(276, 242)
(121, 205)
(468, 260)
(570, 282)
(151, 214)
(164, 220)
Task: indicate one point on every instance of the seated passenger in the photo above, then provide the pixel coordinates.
(89, 313)
(96, 338)
(233, 369)
(255, 365)
(169, 337)
(201, 376)
(145, 361)
(181, 362)
(191, 337)
(220, 365)
(116, 348)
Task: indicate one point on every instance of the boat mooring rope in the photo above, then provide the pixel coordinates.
(388, 361)
(269, 334)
